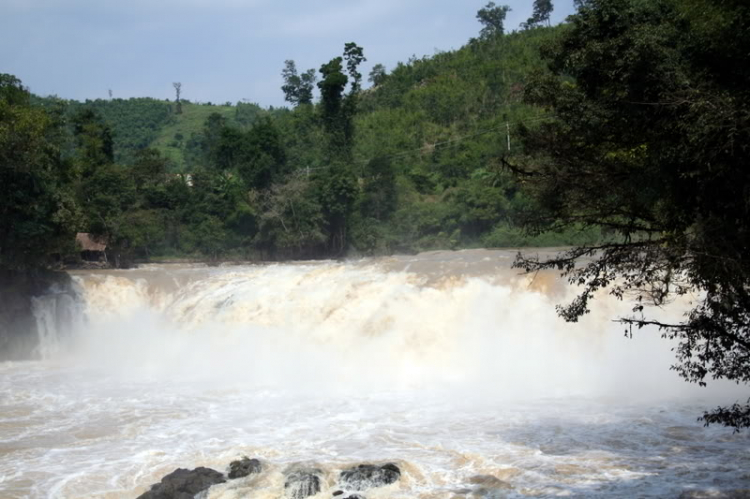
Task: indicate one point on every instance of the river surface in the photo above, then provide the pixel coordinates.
(449, 364)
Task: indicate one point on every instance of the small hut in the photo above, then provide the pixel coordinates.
(92, 249)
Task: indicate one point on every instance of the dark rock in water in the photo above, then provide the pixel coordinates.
(184, 484)
(355, 496)
(243, 467)
(338, 493)
(367, 476)
(302, 483)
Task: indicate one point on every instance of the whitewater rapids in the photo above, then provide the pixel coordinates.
(449, 364)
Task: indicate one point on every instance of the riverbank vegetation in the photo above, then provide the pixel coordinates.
(400, 160)
(651, 140)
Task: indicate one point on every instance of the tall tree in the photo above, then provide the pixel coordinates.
(354, 56)
(93, 140)
(178, 103)
(540, 15)
(332, 86)
(378, 74)
(337, 184)
(492, 17)
(298, 89)
(650, 142)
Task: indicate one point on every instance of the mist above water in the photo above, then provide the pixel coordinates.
(449, 321)
(450, 364)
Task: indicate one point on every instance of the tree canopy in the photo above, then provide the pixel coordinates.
(298, 89)
(492, 17)
(540, 14)
(38, 214)
(650, 142)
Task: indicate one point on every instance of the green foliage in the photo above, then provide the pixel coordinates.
(354, 56)
(492, 17)
(93, 141)
(12, 91)
(378, 198)
(409, 164)
(650, 143)
(38, 213)
(298, 89)
(540, 15)
(333, 115)
(378, 74)
(134, 123)
(291, 223)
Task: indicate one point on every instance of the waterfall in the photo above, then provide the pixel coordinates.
(448, 364)
(58, 314)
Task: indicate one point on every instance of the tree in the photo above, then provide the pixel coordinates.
(337, 185)
(650, 142)
(354, 56)
(93, 141)
(377, 75)
(261, 155)
(492, 18)
(178, 89)
(379, 189)
(38, 213)
(108, 195)
(291, 224)
(332, 88)
(542, 11)
(298, 89)
(209, 141)
(149, 168)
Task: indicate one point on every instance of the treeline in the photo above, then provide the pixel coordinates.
(409, 164)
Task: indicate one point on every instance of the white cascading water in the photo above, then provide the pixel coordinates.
(449, 364)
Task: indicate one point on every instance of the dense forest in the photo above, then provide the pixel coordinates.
(406, 161)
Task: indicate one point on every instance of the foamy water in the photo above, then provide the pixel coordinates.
(449, 364)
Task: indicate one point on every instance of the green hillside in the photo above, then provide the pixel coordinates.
(411, 163)
(175, 134)
(141, 123)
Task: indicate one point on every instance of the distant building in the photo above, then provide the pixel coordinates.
(92, 249)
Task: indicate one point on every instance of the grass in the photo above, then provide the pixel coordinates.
(190, 121)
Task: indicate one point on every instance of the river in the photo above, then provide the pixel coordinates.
(449, 364)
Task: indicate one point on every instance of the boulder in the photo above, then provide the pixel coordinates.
(243, 468)
(368, 476)
(302, 483)
(184, 484)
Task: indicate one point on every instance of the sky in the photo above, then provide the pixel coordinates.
(220, 50)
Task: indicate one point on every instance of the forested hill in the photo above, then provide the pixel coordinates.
(143, 122)
(421, 102)
(410, 163)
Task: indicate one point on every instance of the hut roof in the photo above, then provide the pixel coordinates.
(89, 243)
